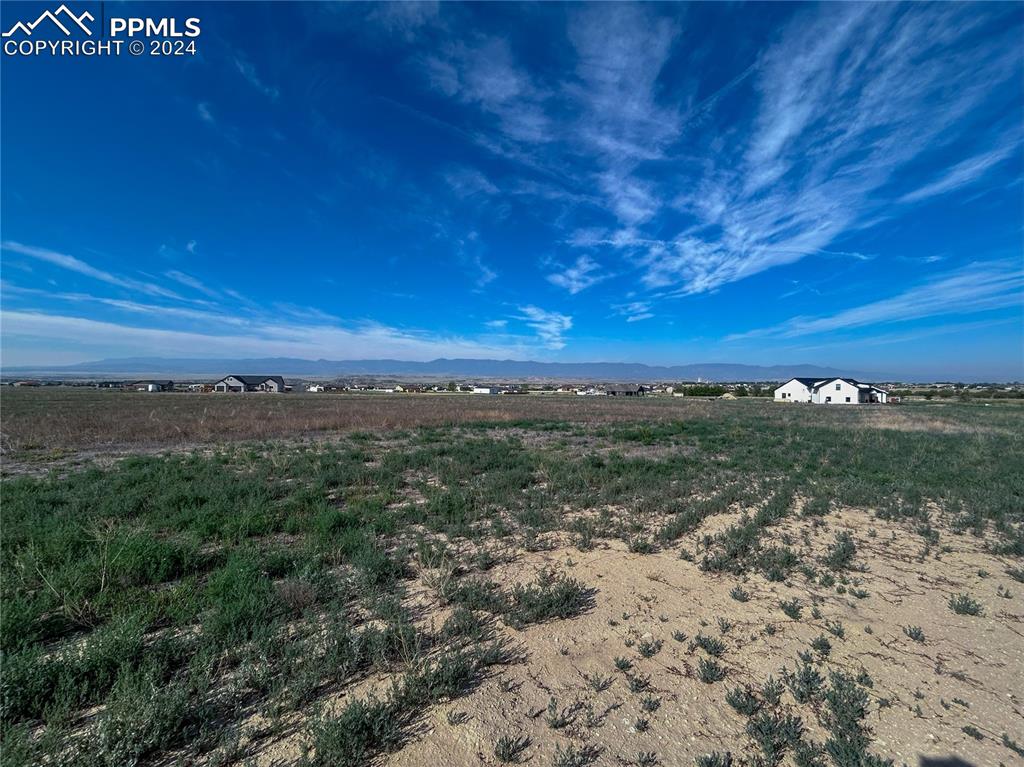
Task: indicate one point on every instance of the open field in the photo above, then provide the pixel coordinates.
(49, 419)
(346, 580)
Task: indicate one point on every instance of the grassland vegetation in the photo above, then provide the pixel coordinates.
(154, 604)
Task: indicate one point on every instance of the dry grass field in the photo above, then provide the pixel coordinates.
(59, 419)
(420, 580)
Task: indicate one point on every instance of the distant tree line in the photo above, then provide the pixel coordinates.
(962, 393)
(714, 390)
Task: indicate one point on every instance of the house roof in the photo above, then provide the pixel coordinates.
(250, 380)
(816, 383)
(851, 381)
(627, 388)
(808, 382)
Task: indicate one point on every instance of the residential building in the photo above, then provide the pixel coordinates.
(250, 383)
(796, 390)
(626, 391)
(831, 391)
(151, 386)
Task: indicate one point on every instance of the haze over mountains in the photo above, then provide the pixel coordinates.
(440, 368)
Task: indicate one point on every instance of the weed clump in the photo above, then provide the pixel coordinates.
(711, 645)
(639, 683)
(849, 737)
(710, 671)
(648, 648)
(551, 596)
(805, 683)
(572, 756)
(775, 733)
(841, 553)
(821, 645)
(963, 604)
(508, 748)
(792, 608)
(598, 683)
(835, 628)
(914, 632)
(743, 701)
(650, 704)
(740, 594)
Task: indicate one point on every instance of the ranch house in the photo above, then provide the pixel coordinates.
(831, 391)
(151, 386)
(627, 391)
(248, 383)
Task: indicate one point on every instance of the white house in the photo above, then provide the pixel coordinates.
(830, 391)
(486, 390)
(316, 388)
(847, 391)
(151, 386)
(796, 390)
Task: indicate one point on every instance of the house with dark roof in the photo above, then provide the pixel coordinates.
(796, 390)
(626, 391)
(250, 383)
(831, 391)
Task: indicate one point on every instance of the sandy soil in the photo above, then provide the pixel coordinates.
(968, 671)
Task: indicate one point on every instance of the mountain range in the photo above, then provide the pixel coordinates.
(504, 370)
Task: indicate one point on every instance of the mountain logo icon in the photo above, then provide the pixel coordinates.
(63, 18)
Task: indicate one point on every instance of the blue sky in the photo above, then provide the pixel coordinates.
(834, 184)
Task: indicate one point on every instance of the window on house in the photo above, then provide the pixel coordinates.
(838, 387)
(847, 399)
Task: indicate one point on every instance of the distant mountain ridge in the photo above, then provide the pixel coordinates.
(440, 368)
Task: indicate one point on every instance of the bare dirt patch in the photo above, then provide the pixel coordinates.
(965, 673)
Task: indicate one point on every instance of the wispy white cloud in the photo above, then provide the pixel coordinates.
(844, 101)
(405, 19)
(73, 264)
(484, 274)
(247, 70)
(157, 311)
(608, 109)
(578, 277)
(965, 172)
(203, 110)
(191, 282)
(306, 313)
(847, 97)
(975, 288)
(634, 311)
(468, 249)
(467, 182)
(918, 334)
(549, 326)
(312, 341)
(621, 50)
(483, 72)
